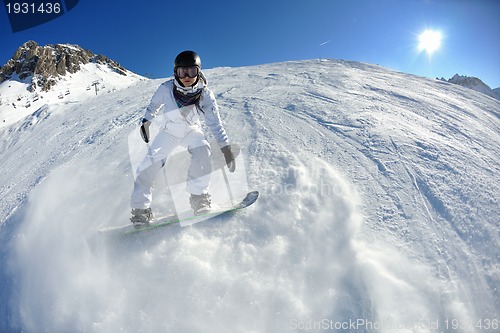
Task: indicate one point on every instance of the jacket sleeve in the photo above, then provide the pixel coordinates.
(210, 109)
(157, 102)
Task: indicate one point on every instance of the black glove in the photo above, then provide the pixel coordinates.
(229, 156)
(145, 129)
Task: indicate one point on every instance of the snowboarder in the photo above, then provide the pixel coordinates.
(181, 102)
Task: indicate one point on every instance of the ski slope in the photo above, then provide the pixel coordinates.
(378, 211)
(18, 102)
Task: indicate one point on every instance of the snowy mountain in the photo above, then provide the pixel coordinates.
(378, 211)
(37, 76)
(473, 83)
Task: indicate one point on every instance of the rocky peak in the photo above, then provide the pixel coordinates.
(44, 64)
(473, 83)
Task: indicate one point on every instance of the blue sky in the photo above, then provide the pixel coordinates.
(145, 36)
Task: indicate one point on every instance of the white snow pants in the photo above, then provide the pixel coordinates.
(198, 176)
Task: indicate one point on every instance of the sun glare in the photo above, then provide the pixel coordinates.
(429, 41)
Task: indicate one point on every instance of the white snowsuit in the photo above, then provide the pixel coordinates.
(180, 126)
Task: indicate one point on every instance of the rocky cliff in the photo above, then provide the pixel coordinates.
(473, 83)
(41, 66)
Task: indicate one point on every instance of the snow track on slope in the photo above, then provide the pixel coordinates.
(365, 212)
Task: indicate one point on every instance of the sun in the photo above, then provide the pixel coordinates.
(429, 41)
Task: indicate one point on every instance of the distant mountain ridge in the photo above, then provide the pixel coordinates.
(474, 83)
(45, 64)
(37, 76)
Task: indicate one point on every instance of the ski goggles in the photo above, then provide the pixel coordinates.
(191, 71)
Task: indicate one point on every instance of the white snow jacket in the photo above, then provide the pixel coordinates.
(177, 121)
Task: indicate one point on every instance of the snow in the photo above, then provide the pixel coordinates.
(378, 211)
(17, 102)
(71, 46)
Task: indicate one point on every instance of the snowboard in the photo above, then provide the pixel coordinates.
(185, 218)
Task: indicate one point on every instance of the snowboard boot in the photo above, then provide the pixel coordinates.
(200, 203)
(141, 217)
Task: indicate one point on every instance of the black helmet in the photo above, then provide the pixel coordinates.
(187, 59)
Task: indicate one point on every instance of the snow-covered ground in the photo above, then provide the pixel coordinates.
(17, 102)
(378, 212)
